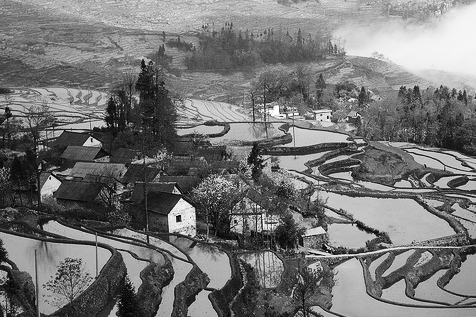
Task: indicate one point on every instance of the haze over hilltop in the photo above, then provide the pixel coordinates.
(444, 43)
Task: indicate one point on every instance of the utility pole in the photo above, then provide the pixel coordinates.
(253, 105)
(145, 183)
(37, 287)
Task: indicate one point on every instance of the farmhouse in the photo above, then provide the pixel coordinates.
(353, 117)
(314, 238)
(68, 138)
(49, 184)
(251, 214)
(322, 115)
(171, 213)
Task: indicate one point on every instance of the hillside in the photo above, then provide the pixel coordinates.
(89, 43)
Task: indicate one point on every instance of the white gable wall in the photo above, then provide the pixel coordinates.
(49, 187)
(188, 225)
(92, 142)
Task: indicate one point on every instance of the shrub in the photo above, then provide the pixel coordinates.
(119, 218)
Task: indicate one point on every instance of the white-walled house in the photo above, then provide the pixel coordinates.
(49, 184)
(171, 213)
(322, 115)
(250, 214)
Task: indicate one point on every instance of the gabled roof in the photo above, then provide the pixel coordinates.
(81, 169)
(186, 183)
(124, 156)
(78, 191)
(68, 138)
(353, 114)
(44, 177)
(135, 173)
(162, 203)
(138, 192)
(314, 232)
(83, 153)
(321, 110)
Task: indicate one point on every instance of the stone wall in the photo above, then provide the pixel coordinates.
(154, 277)
(304, 150)
(102, 291)
(186, 291)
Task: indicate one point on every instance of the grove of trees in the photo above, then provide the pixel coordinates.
(440, 117)
(150, 117)
(235, 49)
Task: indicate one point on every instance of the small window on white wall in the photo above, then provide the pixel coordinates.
(178, 218)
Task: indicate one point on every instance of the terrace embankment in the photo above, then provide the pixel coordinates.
(186, 291)
(384, 164)
(154, 278)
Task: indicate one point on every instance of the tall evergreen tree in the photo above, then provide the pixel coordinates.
(156, 109)
(256, 162)
(128, 305)
(363, 97)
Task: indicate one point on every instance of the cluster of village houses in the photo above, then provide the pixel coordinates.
(88, 168)
(274, 110)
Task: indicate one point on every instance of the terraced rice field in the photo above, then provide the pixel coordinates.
(21, 250)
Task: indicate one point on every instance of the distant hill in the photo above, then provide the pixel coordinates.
(89, 43)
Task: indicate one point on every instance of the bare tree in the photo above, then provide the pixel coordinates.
(70, 280)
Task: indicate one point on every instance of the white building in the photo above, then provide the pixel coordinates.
(49, 184)
(171, 213)
(322, 115)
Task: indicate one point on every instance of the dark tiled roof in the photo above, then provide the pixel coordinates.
(183, 147)
(138, 192)
(123, 155)
(83, 153)
(68, 138)
(135, 173)
(78, 191)
(186, 183)
(162, 203)
(81, 169)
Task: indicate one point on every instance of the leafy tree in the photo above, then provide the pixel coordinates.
(215, 196)
(5, 185)
(118, 111)
(70, 280)
(255, 160)
(3, 252)
(288, 233)
(128, 305)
